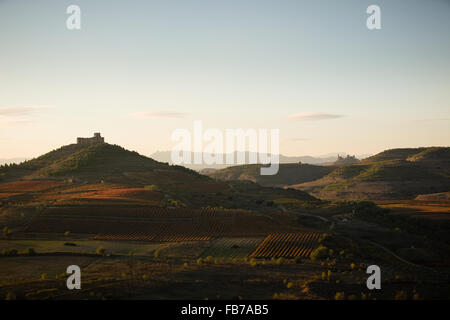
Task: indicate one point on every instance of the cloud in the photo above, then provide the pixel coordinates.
(161, 114)
(20, 111)
(313, 116)
(19, 115)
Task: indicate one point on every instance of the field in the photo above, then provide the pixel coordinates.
(231, 248)
(287, 245)
(29, 186)
(145, 243)
(424, 209)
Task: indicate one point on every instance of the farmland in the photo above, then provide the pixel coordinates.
(423, 209)
(288, 245)
(150, 231)
(231, 248)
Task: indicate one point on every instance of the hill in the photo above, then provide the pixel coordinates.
(77, 171)
(391, 174)
(291, 173)
(91, 163)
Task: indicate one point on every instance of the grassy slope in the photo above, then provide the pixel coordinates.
(290, 173)
(112, 164)
(392, 173)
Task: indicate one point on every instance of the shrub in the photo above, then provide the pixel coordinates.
(10, 296)
(280, 261)
(67, 233)
(101, 251)
(10, 252)
(339, 296)
(400, 295)
(298, 260)
(31, 252)
(320, 253)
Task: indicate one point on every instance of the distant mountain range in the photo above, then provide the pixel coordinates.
(165, 156)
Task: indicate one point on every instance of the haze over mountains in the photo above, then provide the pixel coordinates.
(165, 156)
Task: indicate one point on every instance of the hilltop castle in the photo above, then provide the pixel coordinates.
(347, 160)
(97, 138)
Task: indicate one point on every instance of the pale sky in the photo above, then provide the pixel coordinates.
(137, 70)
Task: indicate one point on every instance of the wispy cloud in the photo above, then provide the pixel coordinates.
(20, 111)
(19, 115)
(161, 114)
(313, 116)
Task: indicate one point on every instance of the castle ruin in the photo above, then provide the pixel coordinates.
(97, 138)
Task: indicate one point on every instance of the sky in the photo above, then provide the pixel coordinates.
(138, 70)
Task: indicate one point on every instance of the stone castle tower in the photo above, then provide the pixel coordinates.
(97, 138)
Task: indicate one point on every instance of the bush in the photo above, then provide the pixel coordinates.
(298, 260)
(280, 261)
(151, 187)
(401, 295)
(10, 252)
(10, 296)
(31, 252)
(339, 296)
(101, 251)
(320, 253)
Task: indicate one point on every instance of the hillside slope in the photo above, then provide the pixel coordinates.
(291, 173)
(93, 163)
(80, 169)
(391, 174)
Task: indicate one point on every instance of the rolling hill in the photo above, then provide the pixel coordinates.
(391, 174)
(292, 173)
(75, 167)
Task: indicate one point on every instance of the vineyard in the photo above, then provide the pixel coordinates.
(231, 248)
(287, 245)
(29, 186)
(133, 212)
